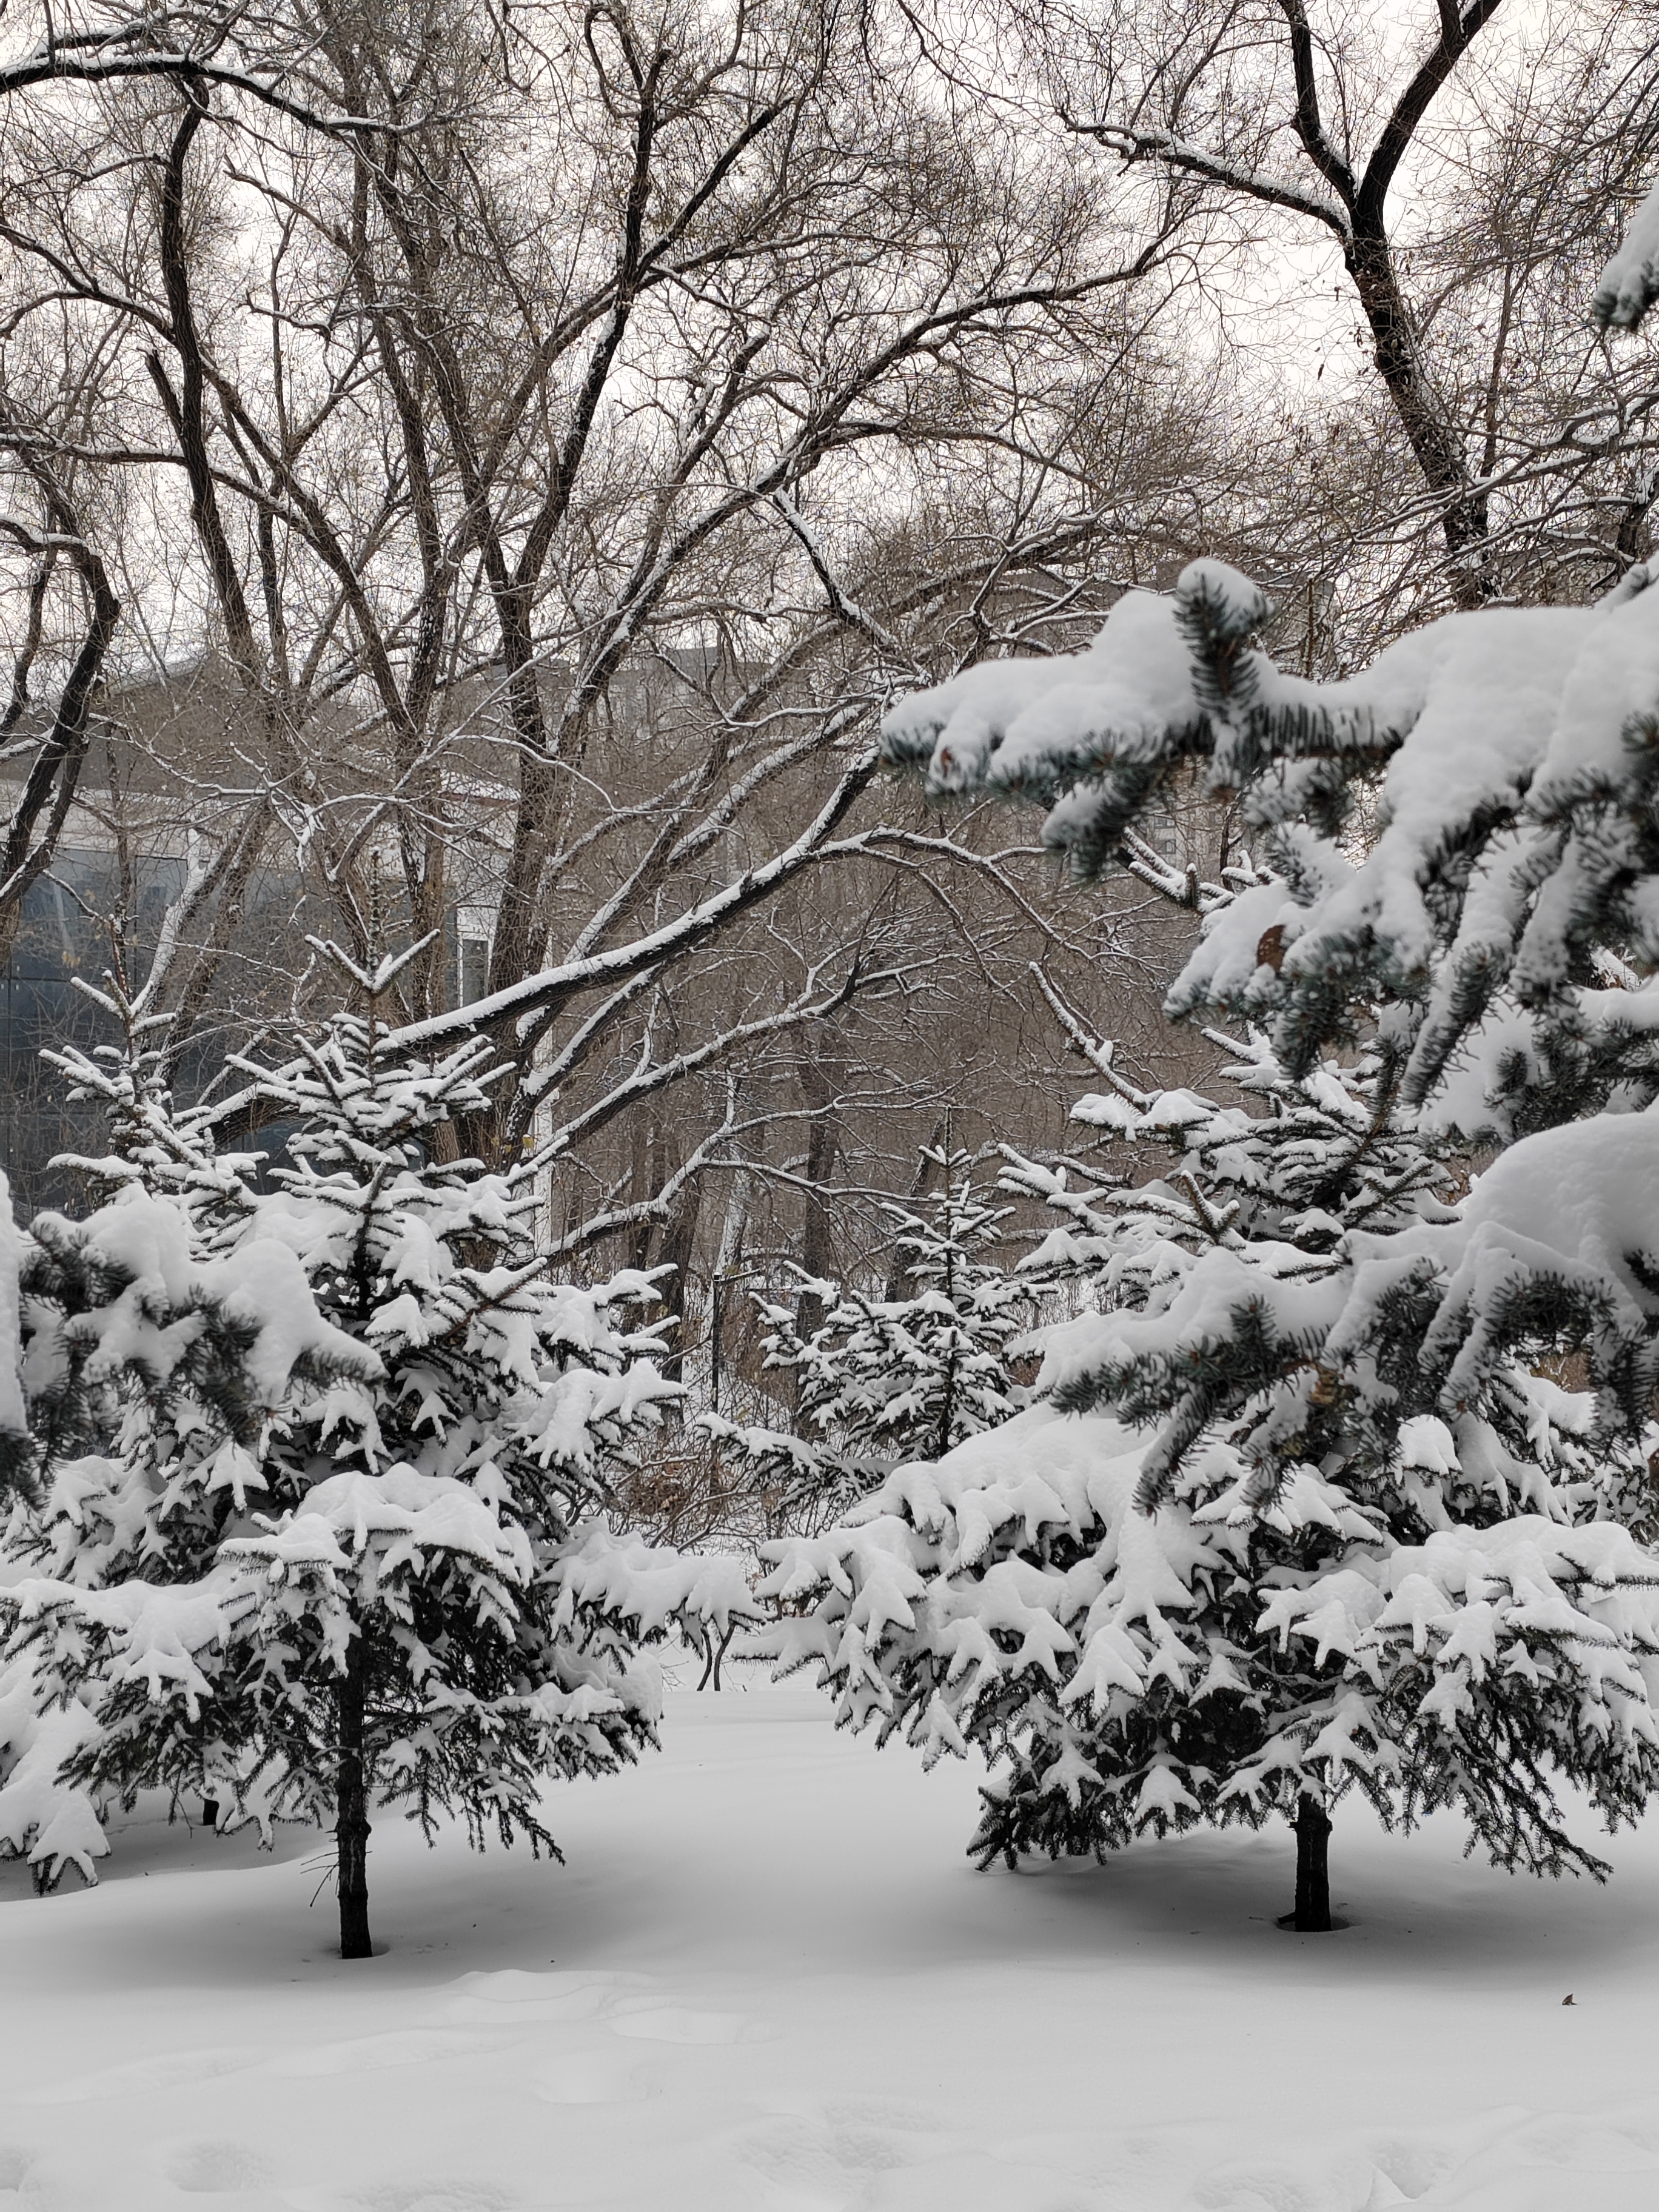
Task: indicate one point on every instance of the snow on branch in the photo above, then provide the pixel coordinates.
(523, 1002)
(1629, 284)
(1511, 739)
(1142, 144)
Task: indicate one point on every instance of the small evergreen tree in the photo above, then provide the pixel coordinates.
(398, 1582)
(882, 1381)
(1240, 1592)
(123, 1328)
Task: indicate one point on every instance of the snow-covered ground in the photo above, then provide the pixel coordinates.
(767, 1981)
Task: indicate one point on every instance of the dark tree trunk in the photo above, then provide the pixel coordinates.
(817, 1254)
(896, 1275)
(713, 1652)
(678, 1244)
(1313, 1873)
(351, 1813)
(1433, 438)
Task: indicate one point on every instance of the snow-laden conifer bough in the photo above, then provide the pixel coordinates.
(884, 1380)
(1305, 1507)
(320, 1512)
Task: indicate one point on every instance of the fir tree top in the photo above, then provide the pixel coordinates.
(885, 1379)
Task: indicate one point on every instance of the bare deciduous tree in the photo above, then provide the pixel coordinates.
(1463, 162)
(498, 380)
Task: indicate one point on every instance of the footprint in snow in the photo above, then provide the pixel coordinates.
(15, 2165)
(834, 2157)
(207, 2169)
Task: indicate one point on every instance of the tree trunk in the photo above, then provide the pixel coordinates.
(677, 1249)
(897, 1276)
(1313, 1873)
(818, 1255)
(351, 1813)
(1433, 438)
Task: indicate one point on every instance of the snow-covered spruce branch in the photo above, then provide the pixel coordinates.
(1629, 283)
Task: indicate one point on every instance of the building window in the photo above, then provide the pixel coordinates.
(473, 938)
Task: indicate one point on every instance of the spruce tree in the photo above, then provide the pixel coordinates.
(884, 1380)
(399, 1585)
(1324, 1432)
(1238, 1592)
(124, 1327)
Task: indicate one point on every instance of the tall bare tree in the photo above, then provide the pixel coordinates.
(1461, 159)
(499, 379)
